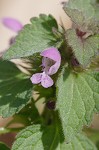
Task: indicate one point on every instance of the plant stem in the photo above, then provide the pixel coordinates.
(8, 130)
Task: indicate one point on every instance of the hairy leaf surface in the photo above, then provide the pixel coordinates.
(34, 38)
(77, 100)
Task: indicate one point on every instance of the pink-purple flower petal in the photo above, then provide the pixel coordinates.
(54, 68)
(51, 60)
(12, 24)
(36, 78)
(46, 81)
(51, 53)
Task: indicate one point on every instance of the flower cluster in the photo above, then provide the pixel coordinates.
(50, 63)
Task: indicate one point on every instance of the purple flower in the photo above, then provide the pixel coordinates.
(51, 62)
(12, 24)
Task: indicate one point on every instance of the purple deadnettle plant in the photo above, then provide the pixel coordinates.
(52, 116)
(51, 62)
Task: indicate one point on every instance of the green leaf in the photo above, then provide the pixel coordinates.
(82, 6)
(15, 89)
(81, 142)
(96, 7)
(83, 14)
(84, 49)
(29, 138)
(34, 37)
(50, 138)
(3, 146)
(77, 100)
(53, 139)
